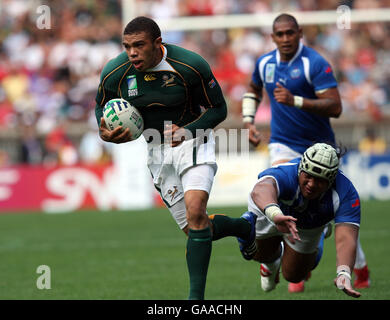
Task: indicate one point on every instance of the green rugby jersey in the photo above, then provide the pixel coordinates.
(174, 90)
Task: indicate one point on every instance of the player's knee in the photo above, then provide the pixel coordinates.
(196, 207)
(197, 219)
(196, 211)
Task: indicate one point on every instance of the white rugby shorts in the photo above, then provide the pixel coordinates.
(189, 166)
(279, 151)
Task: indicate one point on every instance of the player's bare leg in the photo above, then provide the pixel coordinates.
(294, 287)
(269, 255)
(296, 266)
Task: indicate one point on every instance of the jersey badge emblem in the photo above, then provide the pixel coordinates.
(132, 85)
(168, 81)
(270, 73)
(149, 77)
(173, 193)
(212, 83)
(295, 73)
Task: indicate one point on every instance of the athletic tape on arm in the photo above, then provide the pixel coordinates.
(272, 210)
(250, 101)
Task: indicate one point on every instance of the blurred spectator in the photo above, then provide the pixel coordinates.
(52, 74)
(4, 159)
(31, 149)
(59, 148)
(372, 143)
(15, 83)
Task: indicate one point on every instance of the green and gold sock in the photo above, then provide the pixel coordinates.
(224, 226)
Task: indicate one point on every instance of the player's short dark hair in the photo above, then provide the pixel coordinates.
(284, 17)
(143, 24)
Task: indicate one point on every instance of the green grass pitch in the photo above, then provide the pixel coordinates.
(140, 255)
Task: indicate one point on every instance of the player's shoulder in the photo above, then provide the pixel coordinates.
(267, 57)
(286, 169)
(291, 165)
(186, 59)
(115, 66)
(312, 54)
(343, 184)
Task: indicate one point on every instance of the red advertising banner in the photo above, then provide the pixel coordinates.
(55, 188)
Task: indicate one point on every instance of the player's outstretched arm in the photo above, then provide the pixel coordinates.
(118, 135)
(286, 224)
(346, 239)
(343, 281)
(264, 194)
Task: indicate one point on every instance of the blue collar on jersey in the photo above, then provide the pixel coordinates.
(300, 47)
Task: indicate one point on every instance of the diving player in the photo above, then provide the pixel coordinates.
(294, 201)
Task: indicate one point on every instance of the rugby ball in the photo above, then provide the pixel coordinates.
(119, 112)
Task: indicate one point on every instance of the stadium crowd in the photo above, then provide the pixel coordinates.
(48, 77)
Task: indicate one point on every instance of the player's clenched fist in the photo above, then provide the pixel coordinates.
(254, 134)
(174, 135)
(283, 95)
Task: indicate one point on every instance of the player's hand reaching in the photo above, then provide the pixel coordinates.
(286, 224)
(283, 95)
(254, 134)
(118, 135)
(343, 281)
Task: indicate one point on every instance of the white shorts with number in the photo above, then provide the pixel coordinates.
(266, 229)
(189, 166)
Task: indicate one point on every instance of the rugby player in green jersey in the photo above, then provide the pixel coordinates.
(181, 102)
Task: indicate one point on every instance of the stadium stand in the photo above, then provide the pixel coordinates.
(48, 77)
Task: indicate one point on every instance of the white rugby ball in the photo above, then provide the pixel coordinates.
(119, 112)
